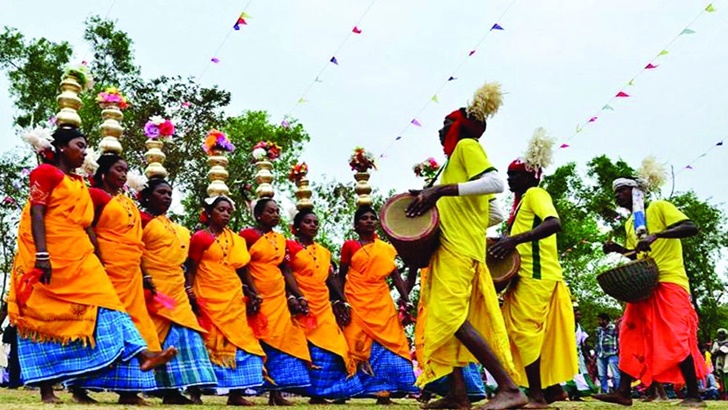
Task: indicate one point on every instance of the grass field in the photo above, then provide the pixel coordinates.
(28, 399)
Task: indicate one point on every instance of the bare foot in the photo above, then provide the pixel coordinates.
(511, 399)
(615, 398)
(176, 397)
(195, 395)
(276, 399)
(692, 402)
(237, 400)
(448, 402)
(385, 401)
(339, 401)
(553, 394)
(132, 399)
(151, 360)
(81, 396)
(649, 399)
(48, 396)
(319, 401)
(537, 405)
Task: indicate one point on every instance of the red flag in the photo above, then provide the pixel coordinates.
(622, 94)
(356, 30)
(650, 66)
(592, 119)
(564, 146)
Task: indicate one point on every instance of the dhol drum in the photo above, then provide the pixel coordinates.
(631, 282)
(503, 271)
(415, 239)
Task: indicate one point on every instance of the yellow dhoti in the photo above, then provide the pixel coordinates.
(540, 320)
(459, 288)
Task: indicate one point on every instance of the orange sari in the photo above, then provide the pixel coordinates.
(267, 253)
(119, 233)
(373, 315)
(165, 250)
(220, 290)
(64, 310)
(312, 267)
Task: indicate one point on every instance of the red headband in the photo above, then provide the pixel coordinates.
(519, 165)
(461, 124)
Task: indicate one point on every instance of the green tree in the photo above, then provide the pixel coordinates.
(14, 172)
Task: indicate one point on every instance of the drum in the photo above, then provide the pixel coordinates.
(631, 282)
(503, 271)
(415, 239)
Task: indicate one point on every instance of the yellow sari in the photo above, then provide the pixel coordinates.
(165, 251)
(64, 310)
(373, 315)
(219, 289)
(119, 234)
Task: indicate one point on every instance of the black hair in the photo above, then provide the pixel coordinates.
(603, 316)
(146, 194)
(209, 207)
(105, 162)
(64, 134)
(260, 206)
(361, 211)
(299, 217)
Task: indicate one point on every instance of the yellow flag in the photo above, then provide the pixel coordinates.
(434, 98)
(710, 8)
(664, 52)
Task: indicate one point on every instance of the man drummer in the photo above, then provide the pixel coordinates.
(463, 322)
(664, 348)
(537, 309)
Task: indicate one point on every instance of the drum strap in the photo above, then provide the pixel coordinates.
(439, 171)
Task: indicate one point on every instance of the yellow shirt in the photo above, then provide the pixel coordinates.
(464, 219)
(539, 259)
(667, 253)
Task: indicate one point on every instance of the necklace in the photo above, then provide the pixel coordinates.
(168, 225)
(271, 240)
(224, 248)
(311, 252)
(127, 206)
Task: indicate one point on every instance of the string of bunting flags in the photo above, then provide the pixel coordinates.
(242, 20)
(415, 122)
(625, 91)
(333, 61)
(699, 157)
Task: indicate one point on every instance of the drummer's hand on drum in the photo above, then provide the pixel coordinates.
(425, 200)
(611, 247)
(503, 247)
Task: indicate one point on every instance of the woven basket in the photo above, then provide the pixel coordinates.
(631, 282)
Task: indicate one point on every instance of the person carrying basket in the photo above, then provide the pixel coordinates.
(658, 337)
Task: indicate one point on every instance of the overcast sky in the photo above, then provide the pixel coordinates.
(558, 60)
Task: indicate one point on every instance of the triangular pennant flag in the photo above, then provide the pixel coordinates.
(687, 31)
(356, 30)
(333, 60)
(471, 53)
(650, 66)
(578, 129)
(688, 167)
(664, 52)
(631, 82)
(317, 80)
(244, 15)
(434, 98)
(592, 119)
(564, 146)
(607, 107)
(622, 94)
(451, 78)
(302, 100)
(720, 144)
(398, 138)
(415, 122)
(215, 60)
(496, 26)
(240, 21)
(703, 154)
(709, 8)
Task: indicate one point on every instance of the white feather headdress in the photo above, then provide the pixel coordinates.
(486, 101)
(651, 175)
(136, 182)
(39, 138)
(540, 152)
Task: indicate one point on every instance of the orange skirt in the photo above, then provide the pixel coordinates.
(657, 334)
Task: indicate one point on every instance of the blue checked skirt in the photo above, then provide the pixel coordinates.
(247, 374)
(52, 361)
(124, 375)
(191, 366)
(474, 385)
(330, 379)
(287, 372)
(392, 373)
